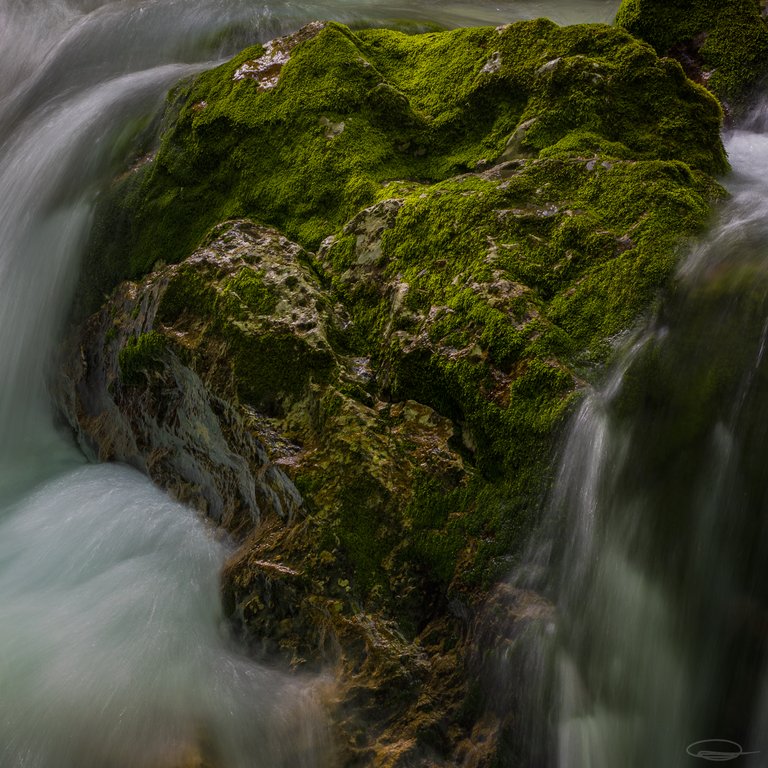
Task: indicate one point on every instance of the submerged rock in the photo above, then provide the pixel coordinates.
(428, 246)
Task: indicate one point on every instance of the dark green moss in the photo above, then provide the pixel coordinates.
(462, 538)
(365, 534)
(188, 291)
(728, 37)
(140, 356)
(437, 521)
(246, 293)
(509, 284)
(273, 368)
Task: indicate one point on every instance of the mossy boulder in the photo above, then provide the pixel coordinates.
(488, 295)
(308, 469)
(491, 297)
(721, 43)
(445, 234)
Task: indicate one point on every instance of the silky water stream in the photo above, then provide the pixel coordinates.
(650, 646)
(112, 650)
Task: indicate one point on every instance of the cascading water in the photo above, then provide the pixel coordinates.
(110, 647)
(111, 650)
(655, 541)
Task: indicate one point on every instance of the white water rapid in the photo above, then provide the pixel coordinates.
(112, 653)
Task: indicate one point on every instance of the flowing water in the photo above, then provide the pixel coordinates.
(112, 653)
(654, 547)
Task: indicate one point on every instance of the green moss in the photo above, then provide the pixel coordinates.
(365, 535)
(141, 356)
(110, 335)
(247, 293)
(573, 249)
(601, 89)
(422, 107)
(273, 368)
(729, 36)
(188, 291)
(437, 523)
(462, 538)
(494, 295)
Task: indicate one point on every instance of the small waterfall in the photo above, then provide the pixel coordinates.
(653, 549)
(47, 175)
(111, 652)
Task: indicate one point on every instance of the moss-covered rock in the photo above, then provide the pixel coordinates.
(306, 467)
(301, 134)
(365, 381)
(491, 297)
(488, 294)
(721, 43)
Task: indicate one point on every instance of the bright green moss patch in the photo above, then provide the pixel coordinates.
(594, 89)
(507, 284)
(352, 111)
(729, 38)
